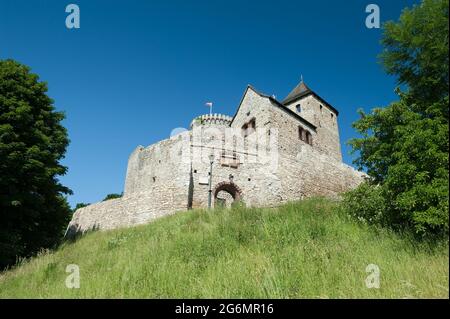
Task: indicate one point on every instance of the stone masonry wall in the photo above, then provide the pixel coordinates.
(156, 185)
(318, 113)
(274, 166)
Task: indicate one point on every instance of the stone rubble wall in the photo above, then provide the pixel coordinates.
(156, 185)
(325, 119)
(172, 175)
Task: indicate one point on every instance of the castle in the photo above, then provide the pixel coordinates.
(268, 153)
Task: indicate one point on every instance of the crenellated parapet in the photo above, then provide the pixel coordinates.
(212, 120)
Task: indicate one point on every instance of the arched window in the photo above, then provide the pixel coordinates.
(298, 107)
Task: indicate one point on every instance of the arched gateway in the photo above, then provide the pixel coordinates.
(226, 193)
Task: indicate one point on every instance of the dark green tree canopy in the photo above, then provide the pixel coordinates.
(33, 211)
(404, 147)
(416, 50)
(112, 196)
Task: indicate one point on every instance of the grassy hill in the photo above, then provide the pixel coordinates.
(301, 250)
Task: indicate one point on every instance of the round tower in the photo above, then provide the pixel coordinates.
(215, 119)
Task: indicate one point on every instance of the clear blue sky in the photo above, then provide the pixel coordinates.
(135, 70)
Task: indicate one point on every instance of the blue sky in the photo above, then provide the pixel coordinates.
(135, 70)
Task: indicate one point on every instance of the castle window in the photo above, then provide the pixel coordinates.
(299, 108)
(321, 107)
(304, 135)
(244, 130)
(309, 138)
(154, 179)
(249, 128)
(301, 133)
(252, 126)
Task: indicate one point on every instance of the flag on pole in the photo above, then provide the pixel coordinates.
(209, 104)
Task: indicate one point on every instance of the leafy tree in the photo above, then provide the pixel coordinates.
(33, 209)
(404, 147)
(112, 196)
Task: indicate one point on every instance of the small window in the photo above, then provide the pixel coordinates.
(249, 128)
(154, 179)
(304, 135)
(331, 115)
(321, 107)
(309, 138)
(252, 124)
(244, 130)
(301, 133)
(298, 108)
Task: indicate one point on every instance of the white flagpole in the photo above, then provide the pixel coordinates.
(210, 105)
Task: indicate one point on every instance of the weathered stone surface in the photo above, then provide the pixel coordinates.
(271, 165)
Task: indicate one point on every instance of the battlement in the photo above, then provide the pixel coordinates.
(211, 120)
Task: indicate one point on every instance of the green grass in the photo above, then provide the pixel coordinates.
(301, 250)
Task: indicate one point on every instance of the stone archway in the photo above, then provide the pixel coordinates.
(226, 193)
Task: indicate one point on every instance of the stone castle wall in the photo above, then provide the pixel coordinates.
(268, 167)
(325, 120)
(156, 185)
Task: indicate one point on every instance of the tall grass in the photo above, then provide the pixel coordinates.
(307, 249)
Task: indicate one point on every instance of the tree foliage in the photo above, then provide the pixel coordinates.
(112, 196)
(33, 209)
(404, 147)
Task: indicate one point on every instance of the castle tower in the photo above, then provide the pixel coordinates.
(218, 120)
(309, 105)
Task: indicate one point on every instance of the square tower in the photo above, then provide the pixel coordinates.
(310, 106)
